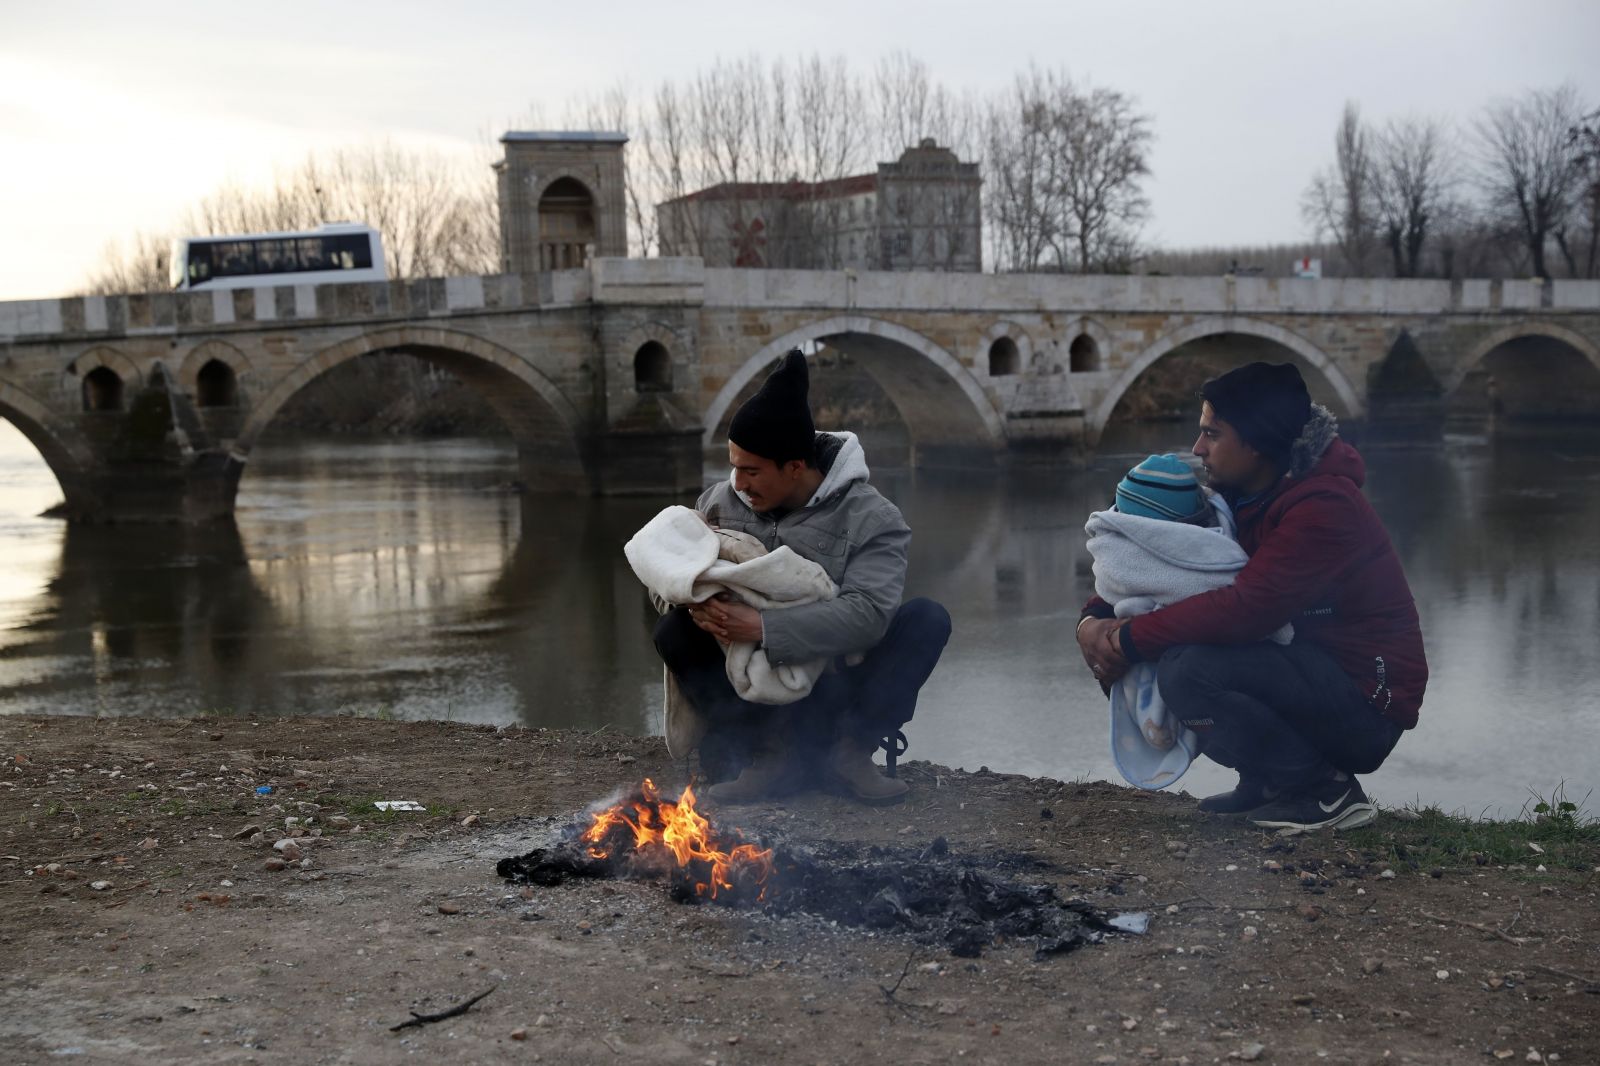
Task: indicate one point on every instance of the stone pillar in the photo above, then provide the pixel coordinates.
(155, 464)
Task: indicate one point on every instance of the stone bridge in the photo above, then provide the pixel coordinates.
(614, 378)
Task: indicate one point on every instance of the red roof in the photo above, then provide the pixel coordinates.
(783, 190)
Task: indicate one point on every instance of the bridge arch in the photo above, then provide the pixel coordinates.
(1315, 357)
(64, 451)
(1534, 370)
(1522, 331)
(946, 410)
(541, 420)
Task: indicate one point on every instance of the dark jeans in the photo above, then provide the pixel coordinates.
(1284, 714)
(870, 700)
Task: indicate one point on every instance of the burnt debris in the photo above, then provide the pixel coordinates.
(926, 894)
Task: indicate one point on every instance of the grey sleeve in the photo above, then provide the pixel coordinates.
(853, 621)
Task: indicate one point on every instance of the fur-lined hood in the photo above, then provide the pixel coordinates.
(1320, 431)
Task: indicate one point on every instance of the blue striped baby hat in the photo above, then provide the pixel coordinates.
(1162, 487)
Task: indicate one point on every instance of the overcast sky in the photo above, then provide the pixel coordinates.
(116, 117)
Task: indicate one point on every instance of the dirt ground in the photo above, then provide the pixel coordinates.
(139, 921)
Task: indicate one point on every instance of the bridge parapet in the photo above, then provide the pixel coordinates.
(614, 377)
(687, 281)
(162, 313)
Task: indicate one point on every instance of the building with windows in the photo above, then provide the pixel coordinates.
(921, 212)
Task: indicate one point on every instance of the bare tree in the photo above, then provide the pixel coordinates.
(1021, 161)
(1068, 163)
(1584, 142)
(615, 110)
(1108, 143)
(1529, 177)
(140, 267)
(665, 140)
(1340, 199)
(434, 219)
(828, 140)
(1411, 178)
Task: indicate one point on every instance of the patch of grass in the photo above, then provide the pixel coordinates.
(1552, 831)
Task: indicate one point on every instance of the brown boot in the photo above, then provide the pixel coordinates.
(850, 765)
(769, 774)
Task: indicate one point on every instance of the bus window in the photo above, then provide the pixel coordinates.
(233, 258)
(312, 256)
(351, 251)
(275, 256)
(200, 264)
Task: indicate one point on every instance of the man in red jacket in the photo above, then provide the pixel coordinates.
(1297, 721)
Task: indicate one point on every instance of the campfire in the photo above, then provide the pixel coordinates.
(647, 834)
(928, 894)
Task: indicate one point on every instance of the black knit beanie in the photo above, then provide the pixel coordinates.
(1266, 402)
(776, 423)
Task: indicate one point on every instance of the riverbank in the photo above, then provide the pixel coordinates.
(145, 919)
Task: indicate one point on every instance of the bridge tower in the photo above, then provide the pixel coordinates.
(561, 199)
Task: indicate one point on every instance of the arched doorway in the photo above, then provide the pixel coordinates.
(947, 417)
(1163, 383)
(567, 230)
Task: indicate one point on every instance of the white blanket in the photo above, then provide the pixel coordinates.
(682, 560)
(1141, 564)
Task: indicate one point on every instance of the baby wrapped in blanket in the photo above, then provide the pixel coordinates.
(1164, 540)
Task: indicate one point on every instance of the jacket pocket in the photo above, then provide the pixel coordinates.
(827, 550)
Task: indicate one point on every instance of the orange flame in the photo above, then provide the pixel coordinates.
(661, 828)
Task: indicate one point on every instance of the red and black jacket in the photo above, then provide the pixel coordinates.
(1321, 559)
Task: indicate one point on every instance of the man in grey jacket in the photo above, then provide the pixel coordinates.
(794, 486)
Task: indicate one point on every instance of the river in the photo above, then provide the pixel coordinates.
(405, 579)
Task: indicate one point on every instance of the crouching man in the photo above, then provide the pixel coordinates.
(794, 486)
(1298, 721)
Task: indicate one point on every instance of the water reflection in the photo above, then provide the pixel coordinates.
(406, 579)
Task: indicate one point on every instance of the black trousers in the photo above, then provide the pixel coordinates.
(871, 700)
(1286, 715)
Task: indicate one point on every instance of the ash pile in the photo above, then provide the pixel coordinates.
(930, 895)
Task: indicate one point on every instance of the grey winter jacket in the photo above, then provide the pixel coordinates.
(848, 529)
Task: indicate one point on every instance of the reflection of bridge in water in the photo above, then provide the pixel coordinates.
(612, 378)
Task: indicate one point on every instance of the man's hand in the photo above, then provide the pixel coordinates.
(1097, 640)
(728, 620)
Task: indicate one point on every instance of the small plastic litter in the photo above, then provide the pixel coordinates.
(263, 790)
(1134, 922)
(399, 805)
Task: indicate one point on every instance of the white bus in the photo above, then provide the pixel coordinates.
(340, 251)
